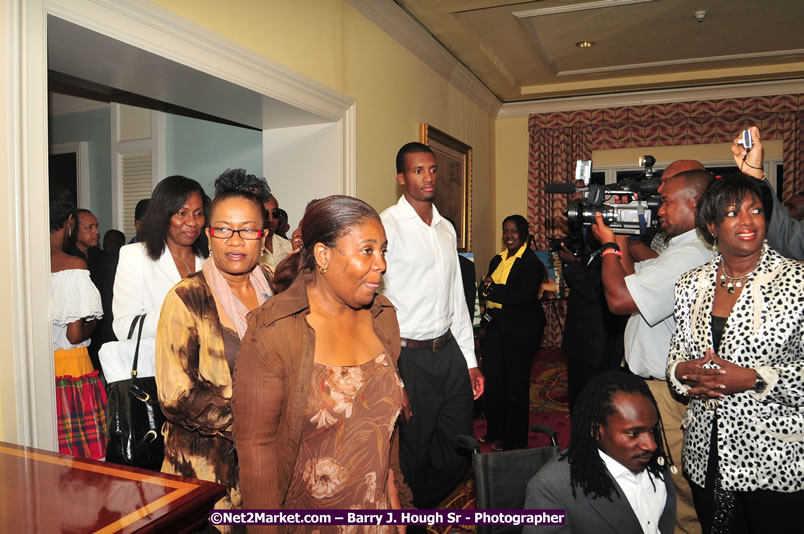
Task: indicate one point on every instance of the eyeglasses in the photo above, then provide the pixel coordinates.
(273, 213)
(244, 233)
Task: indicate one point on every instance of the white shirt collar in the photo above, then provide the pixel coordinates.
(406, 211)
(646, 496)
(687, 237)
(616, 469)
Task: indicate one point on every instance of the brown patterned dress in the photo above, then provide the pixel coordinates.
(195, 355)
(344, 455)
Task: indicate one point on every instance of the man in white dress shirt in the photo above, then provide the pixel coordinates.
(646, 291)
(437, 363)
(613, 478)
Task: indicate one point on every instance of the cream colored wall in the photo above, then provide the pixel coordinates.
(8, 387)
(331, 42)
(511, 167)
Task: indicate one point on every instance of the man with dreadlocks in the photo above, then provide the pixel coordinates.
(613, 477)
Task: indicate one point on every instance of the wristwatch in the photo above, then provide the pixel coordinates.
(759, 383)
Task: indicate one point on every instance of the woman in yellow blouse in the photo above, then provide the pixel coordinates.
(511, 288)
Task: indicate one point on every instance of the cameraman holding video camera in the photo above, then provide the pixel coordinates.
(645, 290)
(639, 250)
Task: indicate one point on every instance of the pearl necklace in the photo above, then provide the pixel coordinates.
(731, 282)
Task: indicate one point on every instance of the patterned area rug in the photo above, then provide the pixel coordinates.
(548, 401)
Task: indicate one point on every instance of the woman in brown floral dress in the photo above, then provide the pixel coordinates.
(202, 321)
(316, 391)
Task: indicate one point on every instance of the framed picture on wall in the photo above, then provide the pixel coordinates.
(454, 192)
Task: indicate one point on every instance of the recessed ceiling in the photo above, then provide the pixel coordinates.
(526, 50)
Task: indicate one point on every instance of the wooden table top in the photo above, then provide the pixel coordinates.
(42, 491)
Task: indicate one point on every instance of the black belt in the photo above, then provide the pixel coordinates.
(434, 345)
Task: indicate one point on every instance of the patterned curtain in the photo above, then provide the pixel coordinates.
(793, 150)
(553, 152)
(557, 140)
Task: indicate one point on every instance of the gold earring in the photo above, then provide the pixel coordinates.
(322, 270)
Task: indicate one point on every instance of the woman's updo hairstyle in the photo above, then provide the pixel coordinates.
(237, 183)
(725, 192)
(61, 207)
(324, 222)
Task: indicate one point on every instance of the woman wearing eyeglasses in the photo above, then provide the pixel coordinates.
(202, 322)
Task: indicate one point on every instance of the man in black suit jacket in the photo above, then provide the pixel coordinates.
(613, 477)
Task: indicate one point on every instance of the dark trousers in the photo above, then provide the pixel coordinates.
(755, 512)
(506, 366)
(440, 397)
(584, 365)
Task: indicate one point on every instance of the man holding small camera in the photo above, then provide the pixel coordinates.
(785, 233)
(645, 290)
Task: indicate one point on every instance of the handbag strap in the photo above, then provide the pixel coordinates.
(134, 325)
(141, 319)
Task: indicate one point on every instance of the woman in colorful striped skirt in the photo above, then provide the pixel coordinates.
(75, 305)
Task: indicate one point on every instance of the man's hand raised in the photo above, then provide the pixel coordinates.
(749, 161)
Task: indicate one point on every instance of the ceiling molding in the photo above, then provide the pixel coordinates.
(599, 4)
(397, 23)
(743, 90)
(685, 61)
(541, 48)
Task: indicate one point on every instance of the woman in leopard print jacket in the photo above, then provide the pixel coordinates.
(737, 352)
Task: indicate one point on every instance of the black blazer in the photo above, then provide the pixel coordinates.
(469, 282)
(550, 489)
(521, 317)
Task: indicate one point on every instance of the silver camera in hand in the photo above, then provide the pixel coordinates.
(746, 140)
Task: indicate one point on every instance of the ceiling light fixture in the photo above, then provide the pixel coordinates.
(585, 44)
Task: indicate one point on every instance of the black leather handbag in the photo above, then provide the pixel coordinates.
(134, 417)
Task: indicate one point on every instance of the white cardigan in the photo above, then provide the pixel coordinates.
(140, 286)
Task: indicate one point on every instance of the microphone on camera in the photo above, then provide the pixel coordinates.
(561, 189)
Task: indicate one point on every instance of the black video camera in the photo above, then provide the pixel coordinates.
(574, 242)
(635, 217)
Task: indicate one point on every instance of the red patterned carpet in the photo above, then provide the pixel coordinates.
(548, 401)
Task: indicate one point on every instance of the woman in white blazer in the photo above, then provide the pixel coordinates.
(738, 353)
(173, 247)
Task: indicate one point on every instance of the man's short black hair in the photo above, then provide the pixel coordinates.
(140, 209)
(113, 240)
(410, 148)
